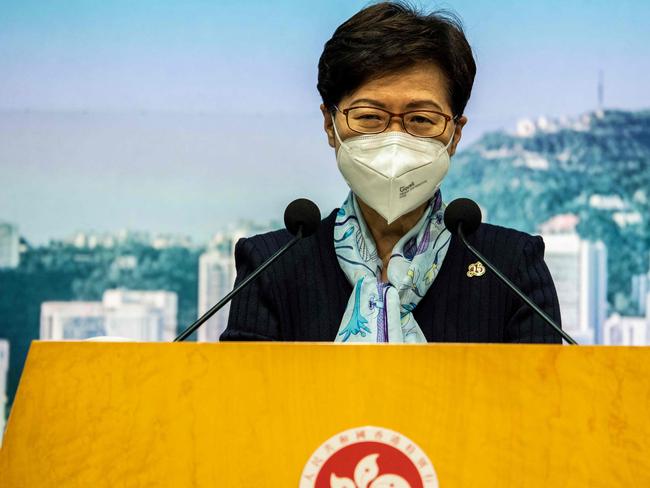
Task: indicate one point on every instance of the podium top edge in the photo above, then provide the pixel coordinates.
(280, 344)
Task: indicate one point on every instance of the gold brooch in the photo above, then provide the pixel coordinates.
(475, 269)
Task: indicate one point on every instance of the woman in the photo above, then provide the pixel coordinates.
(383, 268)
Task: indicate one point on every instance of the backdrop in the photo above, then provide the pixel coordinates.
(139, 140)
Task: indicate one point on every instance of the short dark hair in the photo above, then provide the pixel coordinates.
(392, 36)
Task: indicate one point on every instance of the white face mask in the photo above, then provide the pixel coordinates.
(392, 172)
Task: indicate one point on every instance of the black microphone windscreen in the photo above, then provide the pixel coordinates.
(302, 212)
(463, 210)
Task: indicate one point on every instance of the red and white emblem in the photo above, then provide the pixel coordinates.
(369, 457)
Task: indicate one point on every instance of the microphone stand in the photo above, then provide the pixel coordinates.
(514, 288)
(201, 320)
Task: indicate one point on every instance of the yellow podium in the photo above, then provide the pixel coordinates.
(300, 415)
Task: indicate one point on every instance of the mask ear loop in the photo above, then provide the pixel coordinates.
(336, 132)
(453, 134)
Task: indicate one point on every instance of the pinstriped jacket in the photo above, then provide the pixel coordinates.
(303, 295)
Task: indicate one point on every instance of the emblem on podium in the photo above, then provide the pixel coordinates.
(369, 457)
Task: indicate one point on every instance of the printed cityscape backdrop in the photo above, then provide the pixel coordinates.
(139, 142)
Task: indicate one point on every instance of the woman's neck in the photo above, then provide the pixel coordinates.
(385, 235)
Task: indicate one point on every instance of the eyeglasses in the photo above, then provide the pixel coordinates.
(372, 120)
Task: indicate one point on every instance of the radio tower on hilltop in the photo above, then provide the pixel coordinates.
(601, 90)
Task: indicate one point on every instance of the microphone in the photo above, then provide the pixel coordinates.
(464, 216)
(301, 218)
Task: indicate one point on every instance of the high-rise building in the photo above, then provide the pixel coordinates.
(9, 246)
(625, 331)
(4, 370)
(216, 279)
(72, 320)
(217, 275)
(579, 270)
(140, 315)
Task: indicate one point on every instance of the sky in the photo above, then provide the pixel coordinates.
(173, 116)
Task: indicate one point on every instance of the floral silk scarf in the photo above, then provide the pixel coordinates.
(383, 312)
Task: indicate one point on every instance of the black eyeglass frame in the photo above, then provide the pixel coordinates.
(447, 118)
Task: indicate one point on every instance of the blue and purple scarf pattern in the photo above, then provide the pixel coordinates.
(378, 311)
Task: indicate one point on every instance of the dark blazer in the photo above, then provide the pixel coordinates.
(303, 295)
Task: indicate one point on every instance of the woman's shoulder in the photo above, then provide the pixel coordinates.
(505, 236)
(505, 247)
(486, 236)
(266, 244)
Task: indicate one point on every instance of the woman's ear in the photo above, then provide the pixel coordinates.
(328, 124)
(458, 132)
